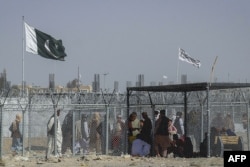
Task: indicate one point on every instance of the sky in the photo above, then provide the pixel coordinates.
(125, 38)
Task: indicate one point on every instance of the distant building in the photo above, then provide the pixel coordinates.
(82, 89)
(140, 81)
(96, 83)
(116, 86)
(183, 79)
(4, 84)
(57, 89)
(52, 81)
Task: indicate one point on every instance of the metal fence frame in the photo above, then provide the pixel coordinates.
(8, 112)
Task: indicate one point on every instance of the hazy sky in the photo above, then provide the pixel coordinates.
(126, 38)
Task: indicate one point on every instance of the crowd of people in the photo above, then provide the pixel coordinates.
(143, 138)
(159, 136)
(90, 135)
(167, 136)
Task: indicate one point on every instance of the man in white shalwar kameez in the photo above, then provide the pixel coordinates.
(51, 136)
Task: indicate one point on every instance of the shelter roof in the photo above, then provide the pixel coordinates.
(189, 87)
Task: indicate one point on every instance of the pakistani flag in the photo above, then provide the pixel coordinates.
(37, 42)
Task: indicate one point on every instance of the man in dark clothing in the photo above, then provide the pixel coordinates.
(178, 146)
(203, 146)
(188, 148)
(67, 132)
(146, 133)
(162, 140)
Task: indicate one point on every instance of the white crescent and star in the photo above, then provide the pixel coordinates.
(46, 45)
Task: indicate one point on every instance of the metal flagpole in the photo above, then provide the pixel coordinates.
(178, 68)
(23, 60)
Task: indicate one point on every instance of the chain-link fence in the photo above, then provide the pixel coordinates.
(233, 116)
(107, 125)
(33, 126)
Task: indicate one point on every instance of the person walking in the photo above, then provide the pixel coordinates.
(67, 132)
(179, 124)
(118, 135)
(103, 131)
(162, 140)
(95, 138)
(16, 134)
(52, 135)
(82, 134)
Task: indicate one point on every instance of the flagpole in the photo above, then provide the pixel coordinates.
(23, 60)
(178, 68)
(78, 78)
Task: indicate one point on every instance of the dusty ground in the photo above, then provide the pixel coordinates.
(108, 161)
(37, 158)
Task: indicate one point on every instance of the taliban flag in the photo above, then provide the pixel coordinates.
(40, 43)
(185, 57)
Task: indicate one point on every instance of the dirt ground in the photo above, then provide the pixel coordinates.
(34, 159)
(37, 158)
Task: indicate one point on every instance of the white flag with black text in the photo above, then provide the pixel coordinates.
(185, 57)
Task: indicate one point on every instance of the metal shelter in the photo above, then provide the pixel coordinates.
(185, 88)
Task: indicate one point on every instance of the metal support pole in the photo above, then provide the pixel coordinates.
(55, 130)
(29, 123)
(107, 131)
(153, 129)
(202, 124)
(248, 135)
(1, 131)
(208, 124)
(73, 132)
(23, 131)
(185, 114)
(126, 126)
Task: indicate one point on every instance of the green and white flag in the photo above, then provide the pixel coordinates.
(40, 43)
